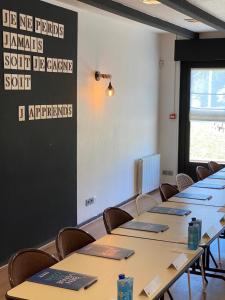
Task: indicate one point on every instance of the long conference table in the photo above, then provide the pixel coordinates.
(152, 265)
(152, 259)
(211, 212)
(177, 232)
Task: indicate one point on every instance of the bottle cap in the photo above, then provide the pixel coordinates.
(121, 276)
(191, 224)
(193, 219)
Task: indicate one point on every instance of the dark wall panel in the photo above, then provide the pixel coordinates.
(38, 157)
(200, 50)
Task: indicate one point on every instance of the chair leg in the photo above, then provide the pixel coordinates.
(169, 294)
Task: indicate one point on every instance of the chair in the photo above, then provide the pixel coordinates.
(70, 239)
(26, 263)
(183, 181)
(214, 166)
(113, 217)
(167, 191)
(145, 202)
(202, 172)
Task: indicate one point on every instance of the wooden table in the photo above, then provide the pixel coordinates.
(151, 258)
(178, 225)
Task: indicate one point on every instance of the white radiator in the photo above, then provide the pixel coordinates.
(148, 173)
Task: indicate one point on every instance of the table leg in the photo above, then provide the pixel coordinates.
(204, 282)
(218, 241)
(189, 284)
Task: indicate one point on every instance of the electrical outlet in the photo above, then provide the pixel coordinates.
(89, 201)
(167, 172)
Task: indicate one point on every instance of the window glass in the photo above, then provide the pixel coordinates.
(208, 88)
(207, 115)
(207, 141)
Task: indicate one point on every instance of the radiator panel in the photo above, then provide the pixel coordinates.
(148, 173)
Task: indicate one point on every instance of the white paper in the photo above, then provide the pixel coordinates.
(222, 220)
(179, 261)
(210, 233)
(21, 113)
(152, 286)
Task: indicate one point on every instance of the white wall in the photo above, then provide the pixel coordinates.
(168, 103)
(114, 132)
(169, 88)
(212, 35)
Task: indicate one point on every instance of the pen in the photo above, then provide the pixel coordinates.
(130, 254)
(90, 284)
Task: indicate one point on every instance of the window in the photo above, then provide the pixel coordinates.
(207, 115)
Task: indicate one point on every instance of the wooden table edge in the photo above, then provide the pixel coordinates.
(181, 272)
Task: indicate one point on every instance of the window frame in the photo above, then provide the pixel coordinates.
(184, 164)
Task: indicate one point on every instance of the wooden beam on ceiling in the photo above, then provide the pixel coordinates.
(135, 15)
(195, 12)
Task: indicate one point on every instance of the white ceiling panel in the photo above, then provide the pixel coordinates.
(75, 4)
(168, 14)
(213, 7)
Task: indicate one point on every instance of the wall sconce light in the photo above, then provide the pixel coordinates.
(110, 90)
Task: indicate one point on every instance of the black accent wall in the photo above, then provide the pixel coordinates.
(38, 157)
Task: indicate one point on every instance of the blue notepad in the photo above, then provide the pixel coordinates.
(207, 185)
(143, 226)
(170, 211)
(63, 279)
(217, 176)
(106, 251)
(193, 196)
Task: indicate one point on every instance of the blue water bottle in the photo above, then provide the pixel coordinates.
(124, 288)
(199, 222)
(122, 291)
(193, 236)
(130, 283)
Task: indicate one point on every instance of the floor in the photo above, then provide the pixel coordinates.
(215, 289)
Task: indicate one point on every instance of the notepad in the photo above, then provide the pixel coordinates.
(63, 279)
(221, 209)
(207, 185)
(193, 196)
(170, 211)
(106, 251)
(143, 226)
(217, 176)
